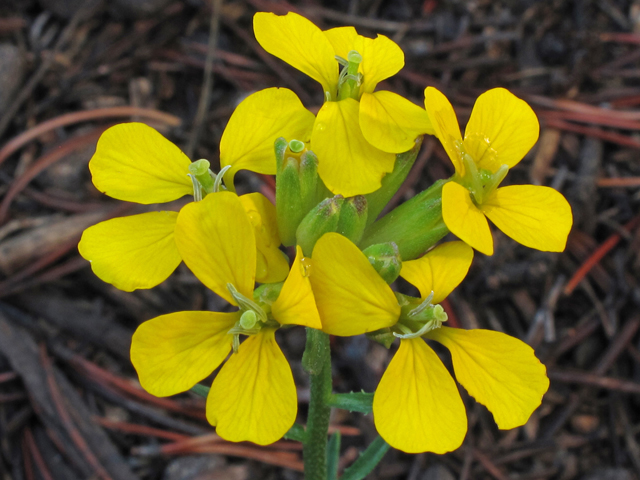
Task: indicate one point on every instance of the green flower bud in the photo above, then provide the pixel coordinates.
(353, 218)
(385, 258)
(391, 182)
(415, 226)
(321, 219)
(296, 186)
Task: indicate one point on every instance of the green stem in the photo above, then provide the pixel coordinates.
(318, 356)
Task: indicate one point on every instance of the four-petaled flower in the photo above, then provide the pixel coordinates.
(417, 407)
(356, 133)
(135, 163)
(501, 130)
(253, 397)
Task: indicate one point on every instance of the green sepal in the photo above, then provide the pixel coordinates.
(354, 402)
(314, 352)
(367, 461)
(415, 226)
(353, 218)
(321, 219)
(384, 337)
(296, 433)
(333, 456)
(296, 188)
(385, 258)
(391, 182)
(200, 390)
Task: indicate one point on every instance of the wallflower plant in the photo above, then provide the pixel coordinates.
(361, 146)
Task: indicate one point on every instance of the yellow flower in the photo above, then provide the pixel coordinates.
(253, 397)
(417, 407)
(501, 130)
(357, 131)
(135, 163)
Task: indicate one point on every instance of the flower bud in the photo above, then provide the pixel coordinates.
(415, 226)
(353, 218)
(323, 218)
(296, 186)
(385, 258)
(391, 182)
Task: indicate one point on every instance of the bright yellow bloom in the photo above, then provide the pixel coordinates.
(417, 407)
(135, 163)
(501, 130)
(253, 397)
(357, 131)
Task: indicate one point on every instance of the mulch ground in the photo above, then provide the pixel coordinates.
(70, 404)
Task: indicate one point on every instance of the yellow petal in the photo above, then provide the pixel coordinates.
(300, 43)
(444, 122)
(132, 252)
(216, 241)
(439, 271)
(296, 304)
(417, 407)
(342, 40)
(351, 297)
(464, 219)
(347, 163)
(272, 265)
(501, 130)
(392, 123)
(261, 118)
(537, 217)
(173, 352)
(499, 371)
(253, 398)
(135, 163)
(381, 58)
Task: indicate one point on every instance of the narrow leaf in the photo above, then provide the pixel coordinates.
(367, 461)
(333, 456)
(354, 402)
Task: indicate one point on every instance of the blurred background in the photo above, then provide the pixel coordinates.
(70, 404)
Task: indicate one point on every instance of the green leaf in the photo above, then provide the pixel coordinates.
(296, 433)
(367, 461)
(354, 402)
(333, 456)
(200, 390)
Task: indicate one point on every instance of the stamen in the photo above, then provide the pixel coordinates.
(197, 188)
(472, 177)
(439, 316)
(218, 182)
(247, 304)
(496, 179)
(420, 308)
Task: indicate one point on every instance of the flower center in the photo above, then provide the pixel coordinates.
(255, 312)
(480, 182)
(350, 80)
(417, 317)
(204, 180)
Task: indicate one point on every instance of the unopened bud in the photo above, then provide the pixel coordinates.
(296, 186)
(323, 218)
(385, 258)
(353, 218)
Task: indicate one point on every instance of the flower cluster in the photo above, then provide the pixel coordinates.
(335, 172)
